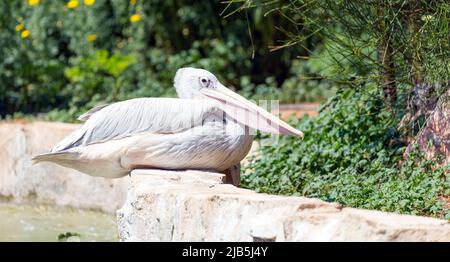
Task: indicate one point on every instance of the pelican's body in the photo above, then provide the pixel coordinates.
(204, 146)
(209, 127)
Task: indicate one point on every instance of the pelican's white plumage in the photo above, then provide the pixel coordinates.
(153, 115)
(208, 127)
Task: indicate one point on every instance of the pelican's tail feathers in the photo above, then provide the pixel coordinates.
(73, 140)
(56, 157)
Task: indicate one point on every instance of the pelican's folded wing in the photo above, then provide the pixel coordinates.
(155, 115)
(84, 117)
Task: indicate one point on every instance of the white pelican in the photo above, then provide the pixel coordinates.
(209, 127)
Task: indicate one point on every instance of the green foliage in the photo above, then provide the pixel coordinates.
(97, 77)
(75, 58)
(305, 85)
(353, 152)
(350, 154)
(416, 32)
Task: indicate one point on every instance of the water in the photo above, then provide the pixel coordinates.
(46, 223)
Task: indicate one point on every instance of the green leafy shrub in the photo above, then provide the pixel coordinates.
(350, 154)
(98, 76)
(52, 55)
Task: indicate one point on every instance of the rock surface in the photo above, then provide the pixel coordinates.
(20, 181)
(197, 206)
(434, 138)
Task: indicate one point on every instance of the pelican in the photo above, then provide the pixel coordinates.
(209, 127)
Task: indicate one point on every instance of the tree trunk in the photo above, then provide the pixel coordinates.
(434, 139)
(385, 55)
(415, 54)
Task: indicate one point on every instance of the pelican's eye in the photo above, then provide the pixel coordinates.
(205, 81)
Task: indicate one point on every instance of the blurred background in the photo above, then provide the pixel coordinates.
(64, 57)
(380, 71)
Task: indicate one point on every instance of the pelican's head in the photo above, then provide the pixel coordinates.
(194, 83)
(190, 81)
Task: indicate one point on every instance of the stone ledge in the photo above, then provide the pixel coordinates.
(20, 181)
(197, 206)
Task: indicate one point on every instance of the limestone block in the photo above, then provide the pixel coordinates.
(197, 206)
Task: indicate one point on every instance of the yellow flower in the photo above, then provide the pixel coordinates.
(72, 4)
(89, 2)
(25, 34)
(33, 2)
(92, 37)
(133, 2)
(135, 18)
(19, 27)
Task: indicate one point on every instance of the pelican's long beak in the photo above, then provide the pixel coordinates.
(248, 113)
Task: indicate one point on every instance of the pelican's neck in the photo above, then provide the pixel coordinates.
(180, 82)
(183, 92)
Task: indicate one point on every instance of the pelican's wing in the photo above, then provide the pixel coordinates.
(155, 115)
(84, 117)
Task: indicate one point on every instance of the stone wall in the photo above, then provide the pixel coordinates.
(20, 181)
(197, 206)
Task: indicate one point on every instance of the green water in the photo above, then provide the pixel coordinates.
(45, 223)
